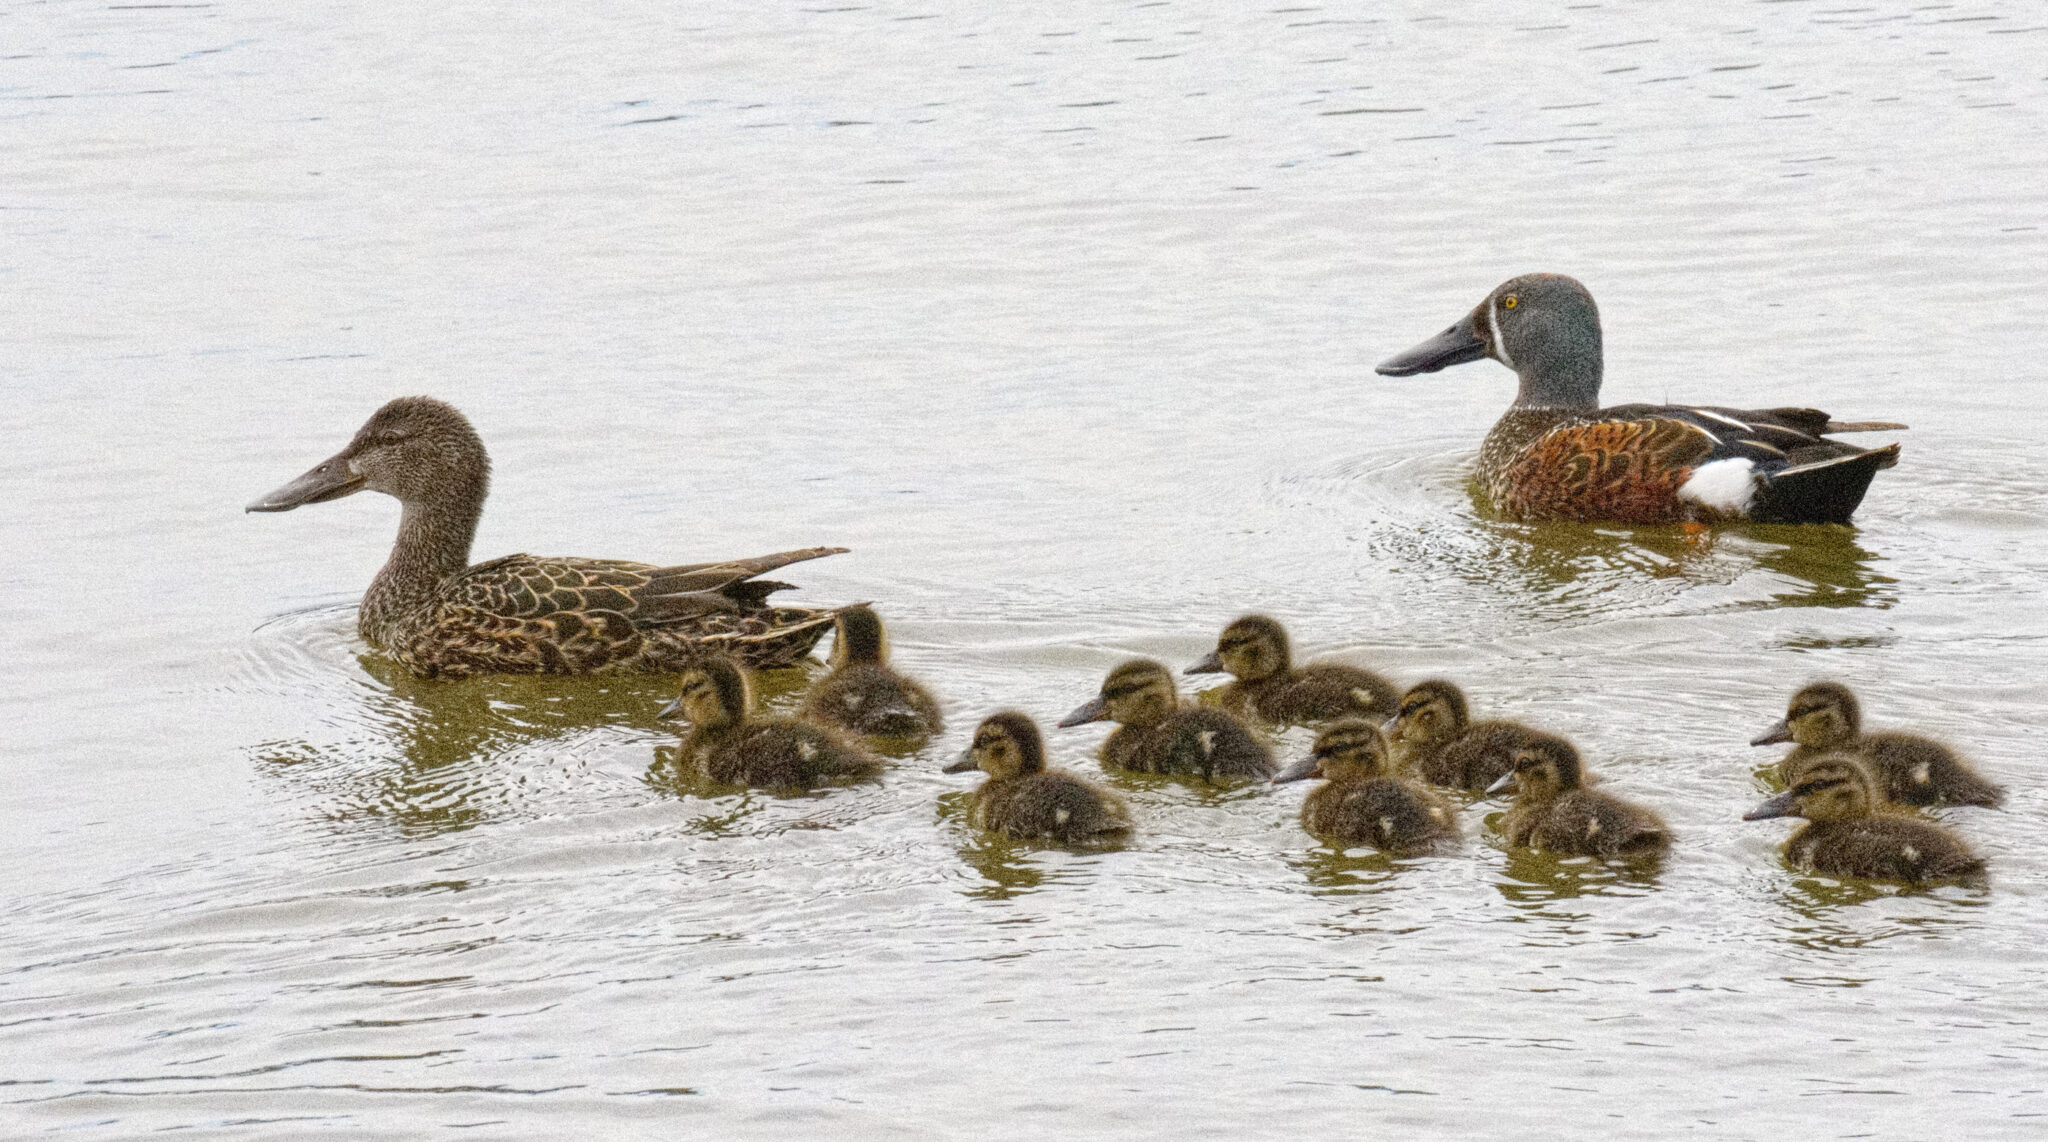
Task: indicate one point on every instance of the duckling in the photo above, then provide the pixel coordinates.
(1156, 734)
(1435, 738)
(1837, 794)
(1360, 803)
(1024, 799)
(1554, 810)
(1910, 770)
(862, 693)
(1255, 651)
(733, 749)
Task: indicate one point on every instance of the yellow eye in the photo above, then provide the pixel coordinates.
(1509, 302)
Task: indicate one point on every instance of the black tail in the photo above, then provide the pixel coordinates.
(1825, 492)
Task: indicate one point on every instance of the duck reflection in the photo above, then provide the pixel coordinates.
(1534, 878)
(1820, 914)
(1332, 871)
(1008, 868)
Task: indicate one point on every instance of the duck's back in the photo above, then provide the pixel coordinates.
(1481, 754)
(1204, 743)
(1882, 848)
(1582, 822)
(1321, 691)
(1383, 812)
(1049, 803)
(869, 698)
(1920, 771)
(784, 755)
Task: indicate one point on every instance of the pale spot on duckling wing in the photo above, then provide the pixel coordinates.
(1197, 742)
(1913, 770)
(1586, 823)
(1896, 849)
(867, 698)
(1321, 691)
(1383, 812)
(789, 755)
(1050, 804)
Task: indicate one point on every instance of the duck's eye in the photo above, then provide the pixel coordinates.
(1510, 301)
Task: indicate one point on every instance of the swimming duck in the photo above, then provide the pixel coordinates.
(1825, 718)
(1156, 734)
(1434, 738)
(731, 748)
(1554, 811)
(1557, 454)
(1255, 651)
(1837, 795)
(1360, 803)
(1024, 799)
(524, 614)
(862, 693)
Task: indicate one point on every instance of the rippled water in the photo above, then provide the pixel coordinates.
(1062, 316)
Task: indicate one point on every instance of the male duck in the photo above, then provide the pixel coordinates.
(729, 747)
(1554, 810)
(1255, 651)
(525, 614)
(1435, 738)
(1360, 803)
(1156, 734)
(1557, 454)
(862, 693)
(1825, 718)
(1836, 794)
(1024, 799)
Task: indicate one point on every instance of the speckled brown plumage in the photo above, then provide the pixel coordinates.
(1623, 470)
(863, 693)
(1359, 803)
(1266, 684)
(1847, 836)
(1554, 812)
(728, 746)
(1157, 734)
(1434, 739)
(1825, 718)
(525, 614)
(1023, 799)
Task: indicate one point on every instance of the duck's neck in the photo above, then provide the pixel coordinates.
(433, 543)
(1570, 384)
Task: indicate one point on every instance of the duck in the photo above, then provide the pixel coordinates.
(1554, 810)
(1557, 455)
(728, 746)
(440, 616)
(1156, 734)
(1254, 650)
(1434, 738)
(1825, 718)
(862, 693)
(1360, 803)
(1023, 799)
(1846, 836)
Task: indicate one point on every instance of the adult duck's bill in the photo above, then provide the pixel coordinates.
(330, 479)
(1454, 346)
(1093, 710)
(1785, 804)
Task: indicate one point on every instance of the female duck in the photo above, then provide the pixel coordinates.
(862, 693)
(1360, 804)
(1024, 799)
(730, 748)
(1557, 454)
(524, 614)
(1554, 811)
(1836, 794)
(1156, 734)
(1434, 738)
(1255, 651)
(1825, 718)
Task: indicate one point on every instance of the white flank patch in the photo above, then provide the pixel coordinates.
(1724, 485)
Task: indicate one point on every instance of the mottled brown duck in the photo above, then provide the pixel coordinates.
(526, 614)
(729, 746)
(1157, 734)
(1555, 812)
(1360, 803)
(1255, 651)
(1848, 835)
(1825, 718)
(1025, 800)
(863, 693)
(1434, 737)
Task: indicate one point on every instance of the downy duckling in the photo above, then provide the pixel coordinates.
(1825, 718)
(862, 693)
(1156, 734)
(1360, 803)
(1435, 738)
(1024, 799)
(1554, 811)
(732, 749)
(1837, 795)
(1255, 651)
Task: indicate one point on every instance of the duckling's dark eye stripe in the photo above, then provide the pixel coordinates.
(1805, 710)
(1413, 707)
(1123, 691)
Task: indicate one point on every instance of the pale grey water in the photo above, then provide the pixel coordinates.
(1062, 316)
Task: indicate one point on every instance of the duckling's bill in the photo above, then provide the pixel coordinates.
(1093, 710)
(1782, 732)
(1213, 664)
(670, 710)
(1307, 767)
(330, 479)
(964, 763)
(1785, 804)
(1506, 782)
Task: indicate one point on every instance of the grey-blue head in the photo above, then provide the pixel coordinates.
(1543, 326)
